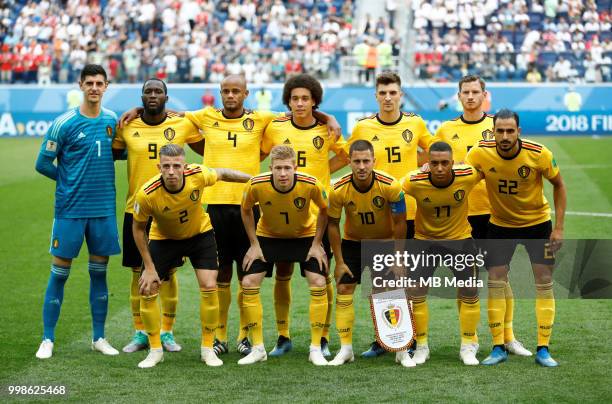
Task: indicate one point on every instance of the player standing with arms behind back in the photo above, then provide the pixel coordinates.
(514, 170)
(462, 134)
(80, 140)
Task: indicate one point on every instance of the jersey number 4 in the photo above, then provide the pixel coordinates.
(232, 137)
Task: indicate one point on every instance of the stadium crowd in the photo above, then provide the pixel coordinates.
(523, 40)
(269, 40)
(180, 41)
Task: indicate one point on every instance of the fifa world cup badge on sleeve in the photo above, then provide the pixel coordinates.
(393, 320)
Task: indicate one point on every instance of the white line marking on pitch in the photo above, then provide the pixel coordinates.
(595, 214)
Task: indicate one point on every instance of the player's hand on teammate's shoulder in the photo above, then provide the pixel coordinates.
(254, 253)
(149, 281)
(341, 269)
(334, 130)
(129, 116)
(317, 252)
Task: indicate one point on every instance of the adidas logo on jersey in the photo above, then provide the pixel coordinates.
(136, 134)
(492, 170)
(166, 209)
(455, 137)
(426, 199)
(216, 125)
(81, 136)
(375, 138)
(287, 141)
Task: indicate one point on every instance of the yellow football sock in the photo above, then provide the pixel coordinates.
(225, 299)
(545, 312)
(282, 303)
(318, 311)
(168, 295)
(253, 313)
(209, 315)
(496, 309)
(508, 330)
(329, 288)
(135, 301)
(469, 317)
(475, 337)
(345, 318)
(149, 307)
(243, 332)
(421, 318)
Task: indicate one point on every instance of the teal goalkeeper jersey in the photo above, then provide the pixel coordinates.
(85, 185)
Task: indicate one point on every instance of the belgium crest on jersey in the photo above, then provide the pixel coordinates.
(109, 131)
(299, 202)
(169, 134)
(195, 194)
(378, 201)
(487, 134)
(524, 171)
(459, 195)
(248, 124)
(318, 142)
(393, 316)
(407, 135)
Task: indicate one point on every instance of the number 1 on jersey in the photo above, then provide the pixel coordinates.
(99, 148)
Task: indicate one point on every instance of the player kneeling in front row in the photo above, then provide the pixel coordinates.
(180, 228)
(287, 231)
(441, 228)
(375, 208)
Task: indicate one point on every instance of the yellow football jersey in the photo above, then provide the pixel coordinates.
(462, 135)
(285, 214)
(442, 212)
(395, 145)
(311, 144)
(368, 213)
(176, 215)
(230, 143)
(515, 186)
(143, 142)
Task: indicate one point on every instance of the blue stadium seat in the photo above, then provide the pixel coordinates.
(519, 37)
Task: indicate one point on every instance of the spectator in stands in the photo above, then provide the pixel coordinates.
(562, 69)
(533, 75)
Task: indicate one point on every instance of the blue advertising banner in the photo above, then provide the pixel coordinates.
(29, 110)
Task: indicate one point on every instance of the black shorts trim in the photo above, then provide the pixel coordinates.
(200, 249)
(285, 250)
(232, 240)
(131, 256)
(351, 252)
(502, 242)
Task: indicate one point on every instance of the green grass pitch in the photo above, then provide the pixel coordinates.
(579, 340)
